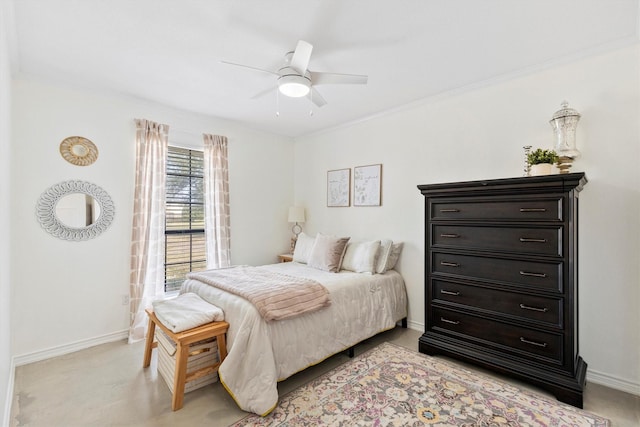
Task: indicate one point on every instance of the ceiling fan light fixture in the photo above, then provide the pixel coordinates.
(294, 86)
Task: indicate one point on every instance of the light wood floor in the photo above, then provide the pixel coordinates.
(106, 385)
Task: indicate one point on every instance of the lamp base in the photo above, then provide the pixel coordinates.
(294, 240)
(296, 229)
(564, 164)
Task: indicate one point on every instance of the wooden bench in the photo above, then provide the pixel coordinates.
(183, 340)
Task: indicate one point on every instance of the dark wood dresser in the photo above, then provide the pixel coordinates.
(501, 267)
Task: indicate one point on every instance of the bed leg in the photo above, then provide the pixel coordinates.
(351, 351)
(403, 323)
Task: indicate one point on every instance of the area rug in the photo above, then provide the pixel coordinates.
(393, 386)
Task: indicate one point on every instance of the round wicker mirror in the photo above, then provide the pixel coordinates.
(78, 150)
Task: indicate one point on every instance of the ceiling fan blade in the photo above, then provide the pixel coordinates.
(250, 67)
(301, 56)
(319, 78)
(316, 98)
(265, 92)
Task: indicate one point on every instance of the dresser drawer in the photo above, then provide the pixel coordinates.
(519, 340)
(529, 307)
(529, 274)
(539, 241)
(518, 210)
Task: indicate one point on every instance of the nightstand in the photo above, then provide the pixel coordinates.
(285, 258)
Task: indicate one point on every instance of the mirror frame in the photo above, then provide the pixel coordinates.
(66, 150)
(46, 210)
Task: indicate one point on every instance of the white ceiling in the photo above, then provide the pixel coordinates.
(169, 51)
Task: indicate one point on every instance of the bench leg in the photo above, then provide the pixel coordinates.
(180, 376)
(149, 343)
(222, 346)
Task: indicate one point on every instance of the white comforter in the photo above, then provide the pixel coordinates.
(262, 353)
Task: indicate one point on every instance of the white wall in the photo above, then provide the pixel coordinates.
(69, 294)
(6, 369)
(479, 134)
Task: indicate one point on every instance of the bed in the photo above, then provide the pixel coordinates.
(261, 353)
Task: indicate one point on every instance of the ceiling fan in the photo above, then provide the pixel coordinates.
(296, 80)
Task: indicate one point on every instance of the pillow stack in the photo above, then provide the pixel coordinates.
(331, 253)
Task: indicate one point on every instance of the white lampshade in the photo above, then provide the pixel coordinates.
(294, 86)
(296, 214)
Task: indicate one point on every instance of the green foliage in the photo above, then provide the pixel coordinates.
(542, 156)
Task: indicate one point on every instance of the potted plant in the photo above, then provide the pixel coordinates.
(541, 161)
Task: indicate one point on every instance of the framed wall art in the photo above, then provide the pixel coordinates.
(339, 188)
(367, 185)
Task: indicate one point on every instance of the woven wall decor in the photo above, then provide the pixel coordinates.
(78, 151)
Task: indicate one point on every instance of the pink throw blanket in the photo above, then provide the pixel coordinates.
(276, 296)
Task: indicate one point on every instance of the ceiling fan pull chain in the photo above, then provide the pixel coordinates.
(311, 103)
(277, 103)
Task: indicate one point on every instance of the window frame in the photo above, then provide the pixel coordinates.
(195, 160)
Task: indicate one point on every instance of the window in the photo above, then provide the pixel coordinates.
(184, 225)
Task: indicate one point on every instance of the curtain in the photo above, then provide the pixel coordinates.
(147, 237)
(216, 200)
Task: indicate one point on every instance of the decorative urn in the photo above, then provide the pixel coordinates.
(564, 123)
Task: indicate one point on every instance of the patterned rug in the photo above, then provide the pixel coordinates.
(393, 386)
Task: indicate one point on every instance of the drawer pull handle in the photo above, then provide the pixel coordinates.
(533, 210)
(453, 322)
(449, 210)
(449, 264)
(530, 240)
(455, 294)
(526, 273)
(526, 307)
(450, 236)
(537, 344)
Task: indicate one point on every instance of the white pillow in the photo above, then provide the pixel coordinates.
(394, 254)
(304, 244)
(327, 253)
(360, 257)
(383, 255)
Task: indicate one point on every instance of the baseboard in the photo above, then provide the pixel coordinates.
(6, 422)
(613, 382)
(416, 326)
(68, 348)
